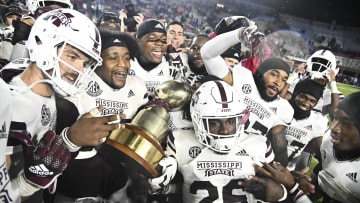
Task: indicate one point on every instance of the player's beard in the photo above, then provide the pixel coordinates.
(261, 86)
(198, 70)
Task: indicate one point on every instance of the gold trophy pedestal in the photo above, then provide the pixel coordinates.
(140, 152)
(139, 143)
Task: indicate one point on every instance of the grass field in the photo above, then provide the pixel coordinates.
(346, 90)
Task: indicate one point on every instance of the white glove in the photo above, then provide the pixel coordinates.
(169, 167)
(293, 77)
(244, 33)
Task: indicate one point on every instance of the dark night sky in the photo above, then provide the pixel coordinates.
(345, 12)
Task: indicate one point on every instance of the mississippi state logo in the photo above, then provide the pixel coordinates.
(246, 89)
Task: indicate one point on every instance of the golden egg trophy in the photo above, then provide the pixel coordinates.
(139, 143)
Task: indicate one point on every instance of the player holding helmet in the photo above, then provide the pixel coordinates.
(322, 67)
(64, 47)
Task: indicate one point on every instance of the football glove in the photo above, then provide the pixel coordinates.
(45, 162)
(245, 34)
(230, 23)
(169, 167)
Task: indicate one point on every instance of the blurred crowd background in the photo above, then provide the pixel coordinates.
(296, 28)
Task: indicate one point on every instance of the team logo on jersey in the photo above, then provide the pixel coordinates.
(3, 133)
(273, 109)
(352, 176)
(161, 73)
(151, 85)
(256, 108)
(246, 89)
(45, 115)
(309, 127)
(60, 18)
(295, 132)
(94, 90)
(111, 107)
(242, 152)
(194, 151)
(131, 72)
(211, 168)
(131, 94)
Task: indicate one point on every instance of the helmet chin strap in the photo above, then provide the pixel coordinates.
(24, 89)
(223, 145)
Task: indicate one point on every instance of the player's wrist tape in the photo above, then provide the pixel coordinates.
(25, 188)
(71, 146)
(293, 189)
(285, 194)
(334, 88)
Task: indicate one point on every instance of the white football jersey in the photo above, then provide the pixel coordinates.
(152, 78)
(178, 121)
(342, 175)
(126, 100)
(37, 112)
(300, 132)
(8, 194)
(262, 118)
(212, 177)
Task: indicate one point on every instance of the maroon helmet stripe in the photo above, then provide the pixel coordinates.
(222, 94)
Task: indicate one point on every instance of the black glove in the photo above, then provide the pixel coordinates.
(230, 23)
(44, 163)
(21, 31)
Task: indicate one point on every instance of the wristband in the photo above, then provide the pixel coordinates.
(334, 88)
(25, 188)
(285, 194)
(71, 146)
(293, 189)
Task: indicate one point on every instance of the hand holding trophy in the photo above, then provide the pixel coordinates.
(139, 143)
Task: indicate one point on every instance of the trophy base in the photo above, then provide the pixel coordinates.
(139, 152)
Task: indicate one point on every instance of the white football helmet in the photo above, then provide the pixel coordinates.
(32, 5)
(50, 33)
(212, 101)
(320, 62)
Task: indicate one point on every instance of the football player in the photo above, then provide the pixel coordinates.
(340, 153)
(61, 60)
(322, 67)
(260, 92)
(150, 65)
(336, 173)
(217, 154)
(117, 93)
(305, 131)
(175, 35)
(9, 194)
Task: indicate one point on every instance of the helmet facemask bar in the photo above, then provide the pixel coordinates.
(320, 64)
(69, 84)
(222, 143)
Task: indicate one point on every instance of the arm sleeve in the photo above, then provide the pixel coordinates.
(210, 53)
